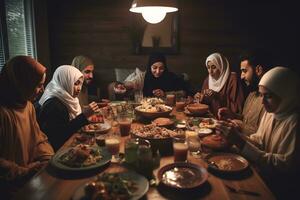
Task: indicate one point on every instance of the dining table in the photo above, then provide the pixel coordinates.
(49, 184)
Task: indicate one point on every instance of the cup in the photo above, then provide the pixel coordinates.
(180, 104)
(124, 124)
(194, 146)
(145, 160)
(180, 149)
(112, 144)
(131, 148)
(170, 99)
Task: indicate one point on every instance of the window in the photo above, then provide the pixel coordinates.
(17, 30)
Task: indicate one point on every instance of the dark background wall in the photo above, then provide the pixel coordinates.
(99, 29)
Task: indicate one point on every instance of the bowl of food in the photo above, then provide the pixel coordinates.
(197, 108)
(152, 112)
(160, 138)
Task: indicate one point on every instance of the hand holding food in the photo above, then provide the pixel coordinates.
(91, 109)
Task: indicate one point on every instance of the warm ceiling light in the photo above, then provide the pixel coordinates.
(153, 11)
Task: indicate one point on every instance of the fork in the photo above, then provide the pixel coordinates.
(241, 191)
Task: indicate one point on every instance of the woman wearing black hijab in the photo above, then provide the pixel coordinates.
(159, 80)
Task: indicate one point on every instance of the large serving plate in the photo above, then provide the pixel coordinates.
(56, 160)
(139, 181)
(227, 162)
(153, 115)
(182, 175)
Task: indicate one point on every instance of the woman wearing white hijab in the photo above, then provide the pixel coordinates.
(221, 88)
(61, 114)
(274, 146)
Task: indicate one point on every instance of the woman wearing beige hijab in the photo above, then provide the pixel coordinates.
(23, 146)
(274, 147)
(221, 88)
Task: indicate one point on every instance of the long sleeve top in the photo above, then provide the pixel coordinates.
(230, 96)
(55, 122)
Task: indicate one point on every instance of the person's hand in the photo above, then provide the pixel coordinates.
(231, 131)
(30, 169)
(189, 99)
(237, 123)
(209, 93)
(225, 113)
(158, 93)
(91, 109)
(198, 97)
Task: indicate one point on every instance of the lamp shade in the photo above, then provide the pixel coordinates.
(153, 11)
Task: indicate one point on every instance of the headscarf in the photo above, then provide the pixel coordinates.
(18, 80)
(285, 84)
(163, 82)
(222, 64)
(61, 86)
(80, 62)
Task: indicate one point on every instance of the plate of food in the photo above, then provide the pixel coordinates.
(100, 128)
(227, 162)
(163, 122)
(83, 139)
(204, 131)
(153, 111)
(182, 175)
(215, 142)
(208, 123)
(81, 157)
(124, 185)
(197, 109)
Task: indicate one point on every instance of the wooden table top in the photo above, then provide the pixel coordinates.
(49, 185)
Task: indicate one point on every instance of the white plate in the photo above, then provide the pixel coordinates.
(103, 128)
(204, 131)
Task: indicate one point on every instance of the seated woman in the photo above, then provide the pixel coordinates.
(24, 148)
(275, 146)
(221, 88)
(61, 114)
(155, 82)
(159, 80)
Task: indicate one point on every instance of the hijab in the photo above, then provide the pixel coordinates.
(285, 84)
(222, 64)
(164, 82)
(18, 80)
(61, 86)
(80, 62)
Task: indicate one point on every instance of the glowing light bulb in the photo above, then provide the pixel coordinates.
(154, 16)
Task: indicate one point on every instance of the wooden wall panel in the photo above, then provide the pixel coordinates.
(97, 28)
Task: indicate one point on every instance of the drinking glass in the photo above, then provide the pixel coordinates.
(131, 148)
(170, 99)
(180, 149)
(180, 104)
(145, 160)
(124, 121)
(138, 96)
(112, 143)
(194, 146)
